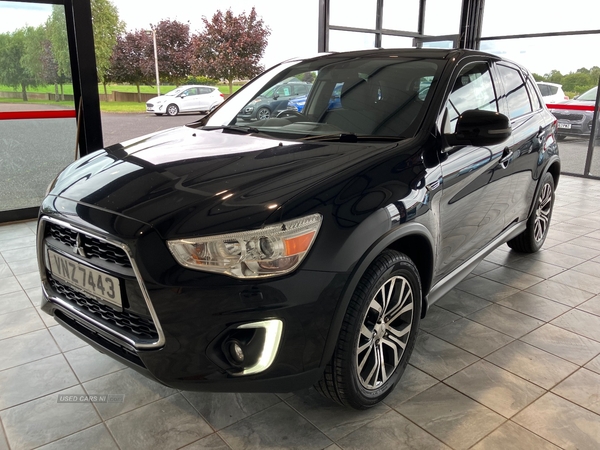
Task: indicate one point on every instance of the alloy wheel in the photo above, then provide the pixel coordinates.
(384, 333)
(542, 213)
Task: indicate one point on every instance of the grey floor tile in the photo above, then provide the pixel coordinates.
(20, 322)
(473, 337)
(462, 303)
(274, 428)
(506, 320)
(512, 277)
(223, 409)
(511, 436)
(20, 254)
(438, 358)
(556, 232)
(485, 266)
(29, 280)
(594, 364)
(499, 390)
(582, 388)
(12, 232)
(96, 437)
(88, 363)
(65, 339)
(591, 306)
(558, 259)
(532, 364)
(583, 222)
(9, 285)
(413, 382)
(487, 289)
(43, 420)
(588, 242)
(391, 432)
(136, 389)
(534, 306)
(437, 317)
(332, 419)
(548, 416)
(578, 251)
(591, 268)
(17, 242)
(167, 424)
(563, 343)
(14, 301)
(501, 257)
(3, 442)
(23, 266)
(451, 416)
(5, 271)
(36, 379)
(26, 348)
(212, 442)
(560, 293)
(578, 280)
(535, 267)
(580, 322)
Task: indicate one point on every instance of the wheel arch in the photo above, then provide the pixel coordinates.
(412, 239)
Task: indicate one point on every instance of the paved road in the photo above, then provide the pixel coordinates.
(121, 127)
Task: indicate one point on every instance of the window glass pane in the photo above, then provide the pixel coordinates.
(442, 17)
(516, 93)
(340, 41)
(388, 41)
(401, 15)
(35, 82)
(508, 17)
(535, 99)
(473, 89)
(355, 14)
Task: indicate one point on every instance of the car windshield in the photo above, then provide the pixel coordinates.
(175, 92)
(589, 96)
(383, 95)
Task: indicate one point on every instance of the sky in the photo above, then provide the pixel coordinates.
(294, 25)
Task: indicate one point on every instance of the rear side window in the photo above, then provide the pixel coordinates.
(516, 92)
(473, 89)
(553, 89)
(535, 98)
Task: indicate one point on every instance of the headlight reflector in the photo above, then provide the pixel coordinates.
(274, 250)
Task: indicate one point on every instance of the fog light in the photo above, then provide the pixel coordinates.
(236, 352)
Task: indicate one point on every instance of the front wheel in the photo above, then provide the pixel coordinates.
(378, 333)
(172, 110)
(532, 239)
(263, 113)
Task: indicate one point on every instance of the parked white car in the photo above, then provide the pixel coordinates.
(192, 98)
(552, 92)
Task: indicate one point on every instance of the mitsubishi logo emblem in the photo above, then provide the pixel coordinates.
(79, 247)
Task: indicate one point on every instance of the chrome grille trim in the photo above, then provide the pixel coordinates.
(46, 285)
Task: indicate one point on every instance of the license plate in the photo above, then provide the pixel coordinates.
(566, 126)
(92, 282)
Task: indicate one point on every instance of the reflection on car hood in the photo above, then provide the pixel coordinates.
(187, 180)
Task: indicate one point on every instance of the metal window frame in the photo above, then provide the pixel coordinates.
(80, 35)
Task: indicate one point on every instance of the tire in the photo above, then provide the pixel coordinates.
(532, 239)
(263, 113)
(172, 109)
(354, 377)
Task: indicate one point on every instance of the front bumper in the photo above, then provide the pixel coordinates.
(156, 109)
(187, 315)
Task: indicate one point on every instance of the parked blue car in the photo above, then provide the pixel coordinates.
(297, 103)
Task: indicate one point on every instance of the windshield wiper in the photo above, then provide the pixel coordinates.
(350, 137)
(234, 128)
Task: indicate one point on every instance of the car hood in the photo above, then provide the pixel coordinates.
(187, 181)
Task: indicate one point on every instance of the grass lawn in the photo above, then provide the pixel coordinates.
(68, 89)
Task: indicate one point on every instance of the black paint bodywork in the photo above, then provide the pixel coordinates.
(440, 205)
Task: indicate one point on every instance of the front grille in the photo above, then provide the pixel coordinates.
(568, 116)
(131, 324)
(93, 247)
(149, 105)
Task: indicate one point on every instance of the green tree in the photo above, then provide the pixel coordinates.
(107, 27)
(56, 31)
(13, 62)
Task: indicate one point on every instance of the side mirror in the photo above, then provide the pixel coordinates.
(275, 97)
(480, 128)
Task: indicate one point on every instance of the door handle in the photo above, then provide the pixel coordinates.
(506, 158)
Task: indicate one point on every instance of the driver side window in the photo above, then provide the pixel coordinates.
(473, 89)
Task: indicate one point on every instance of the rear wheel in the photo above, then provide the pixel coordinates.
(172, 110)
(532, 239)
(378, 333)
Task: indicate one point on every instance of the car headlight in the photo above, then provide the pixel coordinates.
(273, 250)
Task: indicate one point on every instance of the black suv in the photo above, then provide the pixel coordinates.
(274, 100)
(304, 249)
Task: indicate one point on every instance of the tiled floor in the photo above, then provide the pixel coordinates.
(508, 359)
